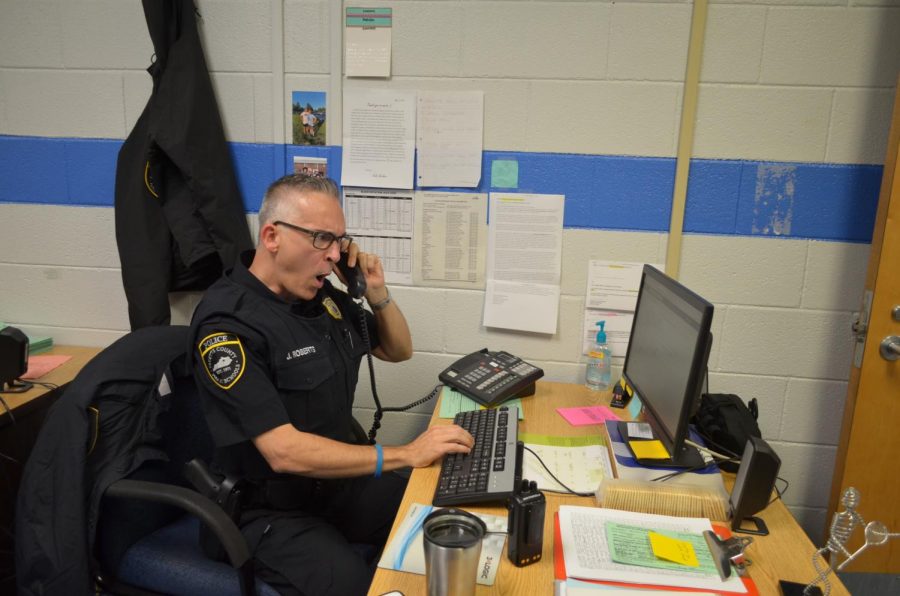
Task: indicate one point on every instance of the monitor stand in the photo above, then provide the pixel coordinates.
(687, 457)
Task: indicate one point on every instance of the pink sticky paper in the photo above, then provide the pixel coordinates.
(587, 415)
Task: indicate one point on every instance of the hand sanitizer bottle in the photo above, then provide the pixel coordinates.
(597, 375)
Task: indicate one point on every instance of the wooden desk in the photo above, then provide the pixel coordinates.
(786, 553)
(39, 397)
(17, 439)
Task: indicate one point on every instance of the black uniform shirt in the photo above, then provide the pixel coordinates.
(263, 362)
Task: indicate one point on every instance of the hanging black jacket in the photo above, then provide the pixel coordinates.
(180, 219)
(105, 425)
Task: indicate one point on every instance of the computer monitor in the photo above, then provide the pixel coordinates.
(666, 363)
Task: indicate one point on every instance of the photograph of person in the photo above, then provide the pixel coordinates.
(316, 167)
(308, 110)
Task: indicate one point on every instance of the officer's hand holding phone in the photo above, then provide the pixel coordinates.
(352, 276)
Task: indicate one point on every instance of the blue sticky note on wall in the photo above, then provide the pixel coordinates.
(505, 173)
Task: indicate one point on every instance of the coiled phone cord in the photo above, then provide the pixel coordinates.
(379, 410)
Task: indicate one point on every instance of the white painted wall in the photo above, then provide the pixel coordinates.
(783, 80)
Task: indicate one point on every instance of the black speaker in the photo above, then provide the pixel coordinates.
(753, 485)
(13, 356)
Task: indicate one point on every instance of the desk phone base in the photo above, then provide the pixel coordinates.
(491, 378)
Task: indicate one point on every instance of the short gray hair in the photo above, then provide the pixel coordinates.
(273, 206)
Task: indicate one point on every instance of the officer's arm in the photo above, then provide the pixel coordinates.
(395, 340)
(288, 450)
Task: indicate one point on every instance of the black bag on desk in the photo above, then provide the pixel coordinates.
(726, 423)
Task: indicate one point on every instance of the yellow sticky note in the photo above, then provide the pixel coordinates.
(649, 449)
(674, 550)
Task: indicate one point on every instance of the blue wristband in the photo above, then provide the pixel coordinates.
(379, 453)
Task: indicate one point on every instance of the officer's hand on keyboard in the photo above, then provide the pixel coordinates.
(488, 472)
(436, 442)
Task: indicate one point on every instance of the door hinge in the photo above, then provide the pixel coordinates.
(859, 327)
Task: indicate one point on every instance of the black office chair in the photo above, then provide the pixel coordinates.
(168, 559)
(149, 523)
(103, 502)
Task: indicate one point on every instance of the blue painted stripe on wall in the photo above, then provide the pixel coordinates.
(808, 201)
(730, 197)
(57, 171)
(255, 166)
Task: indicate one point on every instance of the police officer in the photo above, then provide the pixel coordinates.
(276, 355)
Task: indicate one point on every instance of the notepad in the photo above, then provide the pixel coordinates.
(648, 449)
(580, 463)
(673, 549)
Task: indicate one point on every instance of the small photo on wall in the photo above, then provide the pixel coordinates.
(308, 117)
(311, 166)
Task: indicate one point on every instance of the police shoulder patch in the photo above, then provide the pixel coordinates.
(332, 308)
(223, 358)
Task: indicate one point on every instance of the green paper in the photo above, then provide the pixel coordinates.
(505, 173)
(553, 441)
(32, 351)
(453, 402)
(630, 545)
(36, 345)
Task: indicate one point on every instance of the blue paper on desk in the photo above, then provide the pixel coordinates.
(628, 469)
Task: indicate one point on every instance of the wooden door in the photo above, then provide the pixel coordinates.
(868, 455)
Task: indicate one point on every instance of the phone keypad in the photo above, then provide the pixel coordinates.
(475, 375)
(523, 369)
(490, 377)
(493, 378)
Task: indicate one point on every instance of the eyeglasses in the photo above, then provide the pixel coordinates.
(321, 240)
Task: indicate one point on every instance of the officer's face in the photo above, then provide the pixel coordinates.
(301, 267)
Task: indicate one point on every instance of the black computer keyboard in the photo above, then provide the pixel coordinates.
(487, 472)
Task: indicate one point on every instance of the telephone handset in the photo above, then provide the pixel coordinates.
(356, 281)
(356, 287)
(491, 377)
(488, 377)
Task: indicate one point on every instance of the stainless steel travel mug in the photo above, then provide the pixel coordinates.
(452, 549)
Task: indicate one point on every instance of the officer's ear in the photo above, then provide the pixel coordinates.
(269, 237)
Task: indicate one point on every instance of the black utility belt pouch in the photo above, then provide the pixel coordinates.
(726, 424)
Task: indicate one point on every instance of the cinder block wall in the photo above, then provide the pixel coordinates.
(783, 83)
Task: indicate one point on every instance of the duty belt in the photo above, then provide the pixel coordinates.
(288, 493)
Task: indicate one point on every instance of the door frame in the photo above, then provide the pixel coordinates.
(890, 191)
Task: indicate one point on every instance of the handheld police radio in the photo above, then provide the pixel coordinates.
(526, 524)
